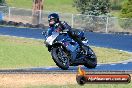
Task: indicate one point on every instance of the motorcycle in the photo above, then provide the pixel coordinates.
(66, 52)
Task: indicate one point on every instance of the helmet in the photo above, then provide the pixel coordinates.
(53, 16)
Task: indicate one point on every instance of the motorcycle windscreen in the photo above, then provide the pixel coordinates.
(51, 38)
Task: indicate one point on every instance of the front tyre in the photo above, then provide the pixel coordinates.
(60, 58)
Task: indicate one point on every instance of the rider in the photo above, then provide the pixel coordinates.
(56, 25)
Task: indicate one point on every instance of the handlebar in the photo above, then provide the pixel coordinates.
(44, 33)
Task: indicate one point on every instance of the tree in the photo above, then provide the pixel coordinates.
(126, 11)
(93, 7)
(2, 2)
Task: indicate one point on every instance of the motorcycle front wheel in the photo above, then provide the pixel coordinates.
(60, 57)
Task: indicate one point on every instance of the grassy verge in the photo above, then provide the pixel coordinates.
(49, 5)
(18, 53)
(15, 53)
(115, 13)
(106, 55)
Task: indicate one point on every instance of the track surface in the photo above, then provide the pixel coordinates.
(121, 42)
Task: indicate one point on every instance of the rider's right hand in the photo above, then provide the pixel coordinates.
(44, 32)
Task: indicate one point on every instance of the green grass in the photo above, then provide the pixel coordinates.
(86, 86)
(60, 6)
(106, 55)
(17, 53)
(20, 52)
(115, 13)
(20, 3)
(49, 5)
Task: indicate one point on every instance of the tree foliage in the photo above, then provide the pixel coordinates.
(126, 11)
(2, 2)
(92, 7)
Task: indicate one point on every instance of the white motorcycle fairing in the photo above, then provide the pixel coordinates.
(51, 38)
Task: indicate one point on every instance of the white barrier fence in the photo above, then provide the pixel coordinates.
(78, 21)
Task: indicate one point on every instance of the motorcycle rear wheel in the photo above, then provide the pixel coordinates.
(91, 62)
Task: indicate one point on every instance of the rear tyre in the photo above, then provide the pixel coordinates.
(91, 63)
(91, 60)
(60, 58)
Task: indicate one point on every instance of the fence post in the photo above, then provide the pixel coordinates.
(9, 14)
(107, 21)
(72, 20)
